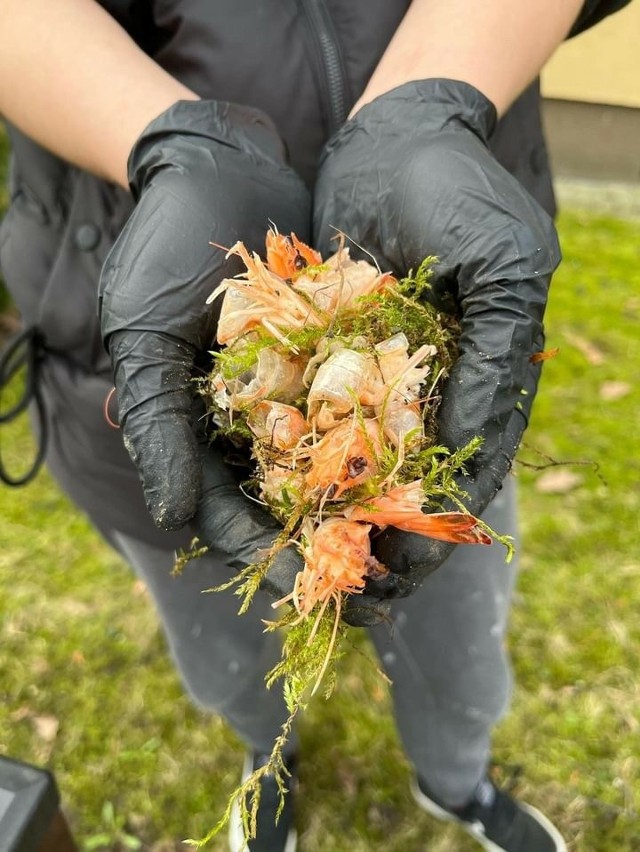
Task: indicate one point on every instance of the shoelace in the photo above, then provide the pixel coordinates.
(25, 350)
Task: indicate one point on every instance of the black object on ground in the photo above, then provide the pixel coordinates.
(30, 815)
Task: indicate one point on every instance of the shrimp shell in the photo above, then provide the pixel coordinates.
(282, 425)
(342, 282)
(400, 371)
(273, 375)
(346, 377)
(392, 355)
(402, 421)
(399, 410)
(345, 457)
(401, 507)
(260, 297)
(337, 559)
(278, 481)
(237, 314)
(219, 391)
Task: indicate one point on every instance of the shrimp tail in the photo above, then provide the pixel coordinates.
(454, 527)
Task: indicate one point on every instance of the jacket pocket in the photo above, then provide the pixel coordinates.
(51, 257)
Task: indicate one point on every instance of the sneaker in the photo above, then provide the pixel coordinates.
(270, 836)
(498, 822)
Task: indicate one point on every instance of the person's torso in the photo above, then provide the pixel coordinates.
(303, 62)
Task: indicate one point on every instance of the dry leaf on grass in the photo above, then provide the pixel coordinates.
(586, 347)
(139, 589)
(610, 391)
(46, 727)
(20, 714)
(558, 481)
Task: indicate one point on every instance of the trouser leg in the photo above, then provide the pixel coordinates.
(444, 652)
(222, 657)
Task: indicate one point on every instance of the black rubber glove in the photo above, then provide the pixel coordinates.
(240, 528)
(411, 176)
(202, 172)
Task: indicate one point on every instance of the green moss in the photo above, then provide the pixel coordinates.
(381, 315)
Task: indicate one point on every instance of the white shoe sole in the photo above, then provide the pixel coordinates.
(476, 829)
(237, 841)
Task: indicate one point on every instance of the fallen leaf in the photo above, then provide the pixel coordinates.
(348, 780)
(537, 357)
(610, 391)
(589, 350)
(379, 693)
(46, 727)
(39, 665)
(20, 714)
(78, 657)
(558, 481)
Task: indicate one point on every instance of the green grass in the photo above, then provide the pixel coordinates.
(80, 646)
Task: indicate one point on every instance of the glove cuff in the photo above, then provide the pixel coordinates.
(435, 103)
(241, 127)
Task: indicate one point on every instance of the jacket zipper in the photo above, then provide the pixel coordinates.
(330, 60)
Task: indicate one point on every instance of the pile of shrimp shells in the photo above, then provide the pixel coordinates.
(326, 411)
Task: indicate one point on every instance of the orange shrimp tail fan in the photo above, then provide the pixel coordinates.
(401, 507)
(454, 527)
(287, 256)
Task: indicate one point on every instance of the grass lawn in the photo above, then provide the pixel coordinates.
(88, 691)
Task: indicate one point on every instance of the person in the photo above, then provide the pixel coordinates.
(141, 132)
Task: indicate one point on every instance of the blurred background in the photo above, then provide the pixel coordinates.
(86, 686)
(591, 90)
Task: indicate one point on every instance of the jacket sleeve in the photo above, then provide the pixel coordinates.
(594, 11)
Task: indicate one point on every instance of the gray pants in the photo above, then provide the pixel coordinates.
(446, 657)
(444, 652)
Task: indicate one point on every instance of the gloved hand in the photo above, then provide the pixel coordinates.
(409, 176)
(202, 172)
(237, 526)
